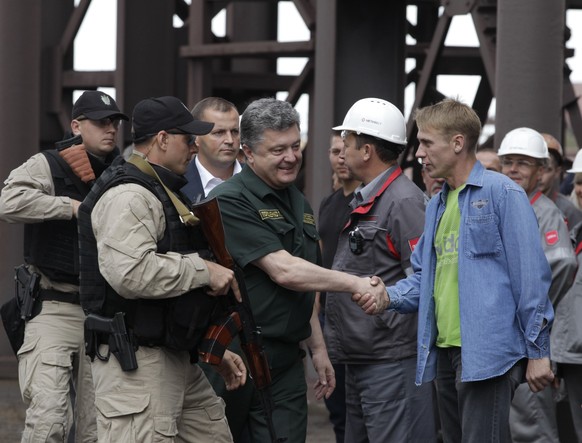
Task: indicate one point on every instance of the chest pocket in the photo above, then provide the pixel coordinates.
(310, 232)
(369, 231)
(302, 247)
(284, 230)
(361, 249)
(311, 237)
(482, 238)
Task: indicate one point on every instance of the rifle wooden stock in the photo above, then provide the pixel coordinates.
(209, 214)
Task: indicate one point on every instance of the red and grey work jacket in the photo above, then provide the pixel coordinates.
(378, 240)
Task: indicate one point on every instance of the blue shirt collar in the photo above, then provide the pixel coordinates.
(475, 179)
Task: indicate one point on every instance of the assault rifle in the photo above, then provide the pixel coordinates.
(119, 341)
(238, 320)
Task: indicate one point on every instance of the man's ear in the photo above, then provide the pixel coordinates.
(367, 148)
(162, 139)
(458, 143)
(75, 127)
(248, 154)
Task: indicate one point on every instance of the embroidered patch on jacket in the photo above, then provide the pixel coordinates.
(552, 237)
(480, 204)
(309, 219)
(270, 214)
(412, 243)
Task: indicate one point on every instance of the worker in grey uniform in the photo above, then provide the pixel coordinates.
(524, 154)
(148, 254)
(386, 222)
(566, 341)
(44, 194)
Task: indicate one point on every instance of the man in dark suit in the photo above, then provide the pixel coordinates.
(215, 161)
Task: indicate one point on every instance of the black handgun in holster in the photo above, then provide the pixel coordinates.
(112, 331)
(20, 308)
(27, 288)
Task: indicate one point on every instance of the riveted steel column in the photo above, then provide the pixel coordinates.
(146, 53)
(359, 55)
(263, 15)
(20, 28)
(530, 63)
(318, 171)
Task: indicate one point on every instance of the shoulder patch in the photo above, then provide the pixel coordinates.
(552, 237)
(309, 219)
(272, 214)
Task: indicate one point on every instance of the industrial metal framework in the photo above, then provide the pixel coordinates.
(355, 49)
(242, 65)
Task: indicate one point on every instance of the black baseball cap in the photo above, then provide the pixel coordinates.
(96, 105)
(153, 115)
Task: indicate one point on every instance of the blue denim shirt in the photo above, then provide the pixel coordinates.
(504, 279)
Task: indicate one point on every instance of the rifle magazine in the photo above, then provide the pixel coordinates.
(218, 337)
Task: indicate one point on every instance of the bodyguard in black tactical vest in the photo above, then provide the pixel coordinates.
(45, 193)
(149, 291)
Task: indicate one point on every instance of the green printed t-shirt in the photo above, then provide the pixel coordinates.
(446, 286)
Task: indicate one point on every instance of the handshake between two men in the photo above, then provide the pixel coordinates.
(374, 301)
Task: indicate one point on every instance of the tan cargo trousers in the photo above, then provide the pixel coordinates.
(165, 399)
(50, 361)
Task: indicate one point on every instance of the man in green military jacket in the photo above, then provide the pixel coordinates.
(271, 234)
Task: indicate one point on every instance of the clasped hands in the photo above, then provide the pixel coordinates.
(372, 296)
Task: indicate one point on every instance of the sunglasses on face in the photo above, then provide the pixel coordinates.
(190, 140)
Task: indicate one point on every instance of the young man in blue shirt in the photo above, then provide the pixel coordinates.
(480, 284)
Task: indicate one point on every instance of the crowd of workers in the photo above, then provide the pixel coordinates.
(452, 314)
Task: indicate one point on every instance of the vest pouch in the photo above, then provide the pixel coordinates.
(189, 316)
(149, 322)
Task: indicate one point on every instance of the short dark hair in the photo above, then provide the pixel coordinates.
(387, 151)
(216, 103)
(556, 157)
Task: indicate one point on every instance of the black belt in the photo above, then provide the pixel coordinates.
(52, 295)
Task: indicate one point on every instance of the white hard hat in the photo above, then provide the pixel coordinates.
(375, 117)
(524, 141)
(577, 165)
